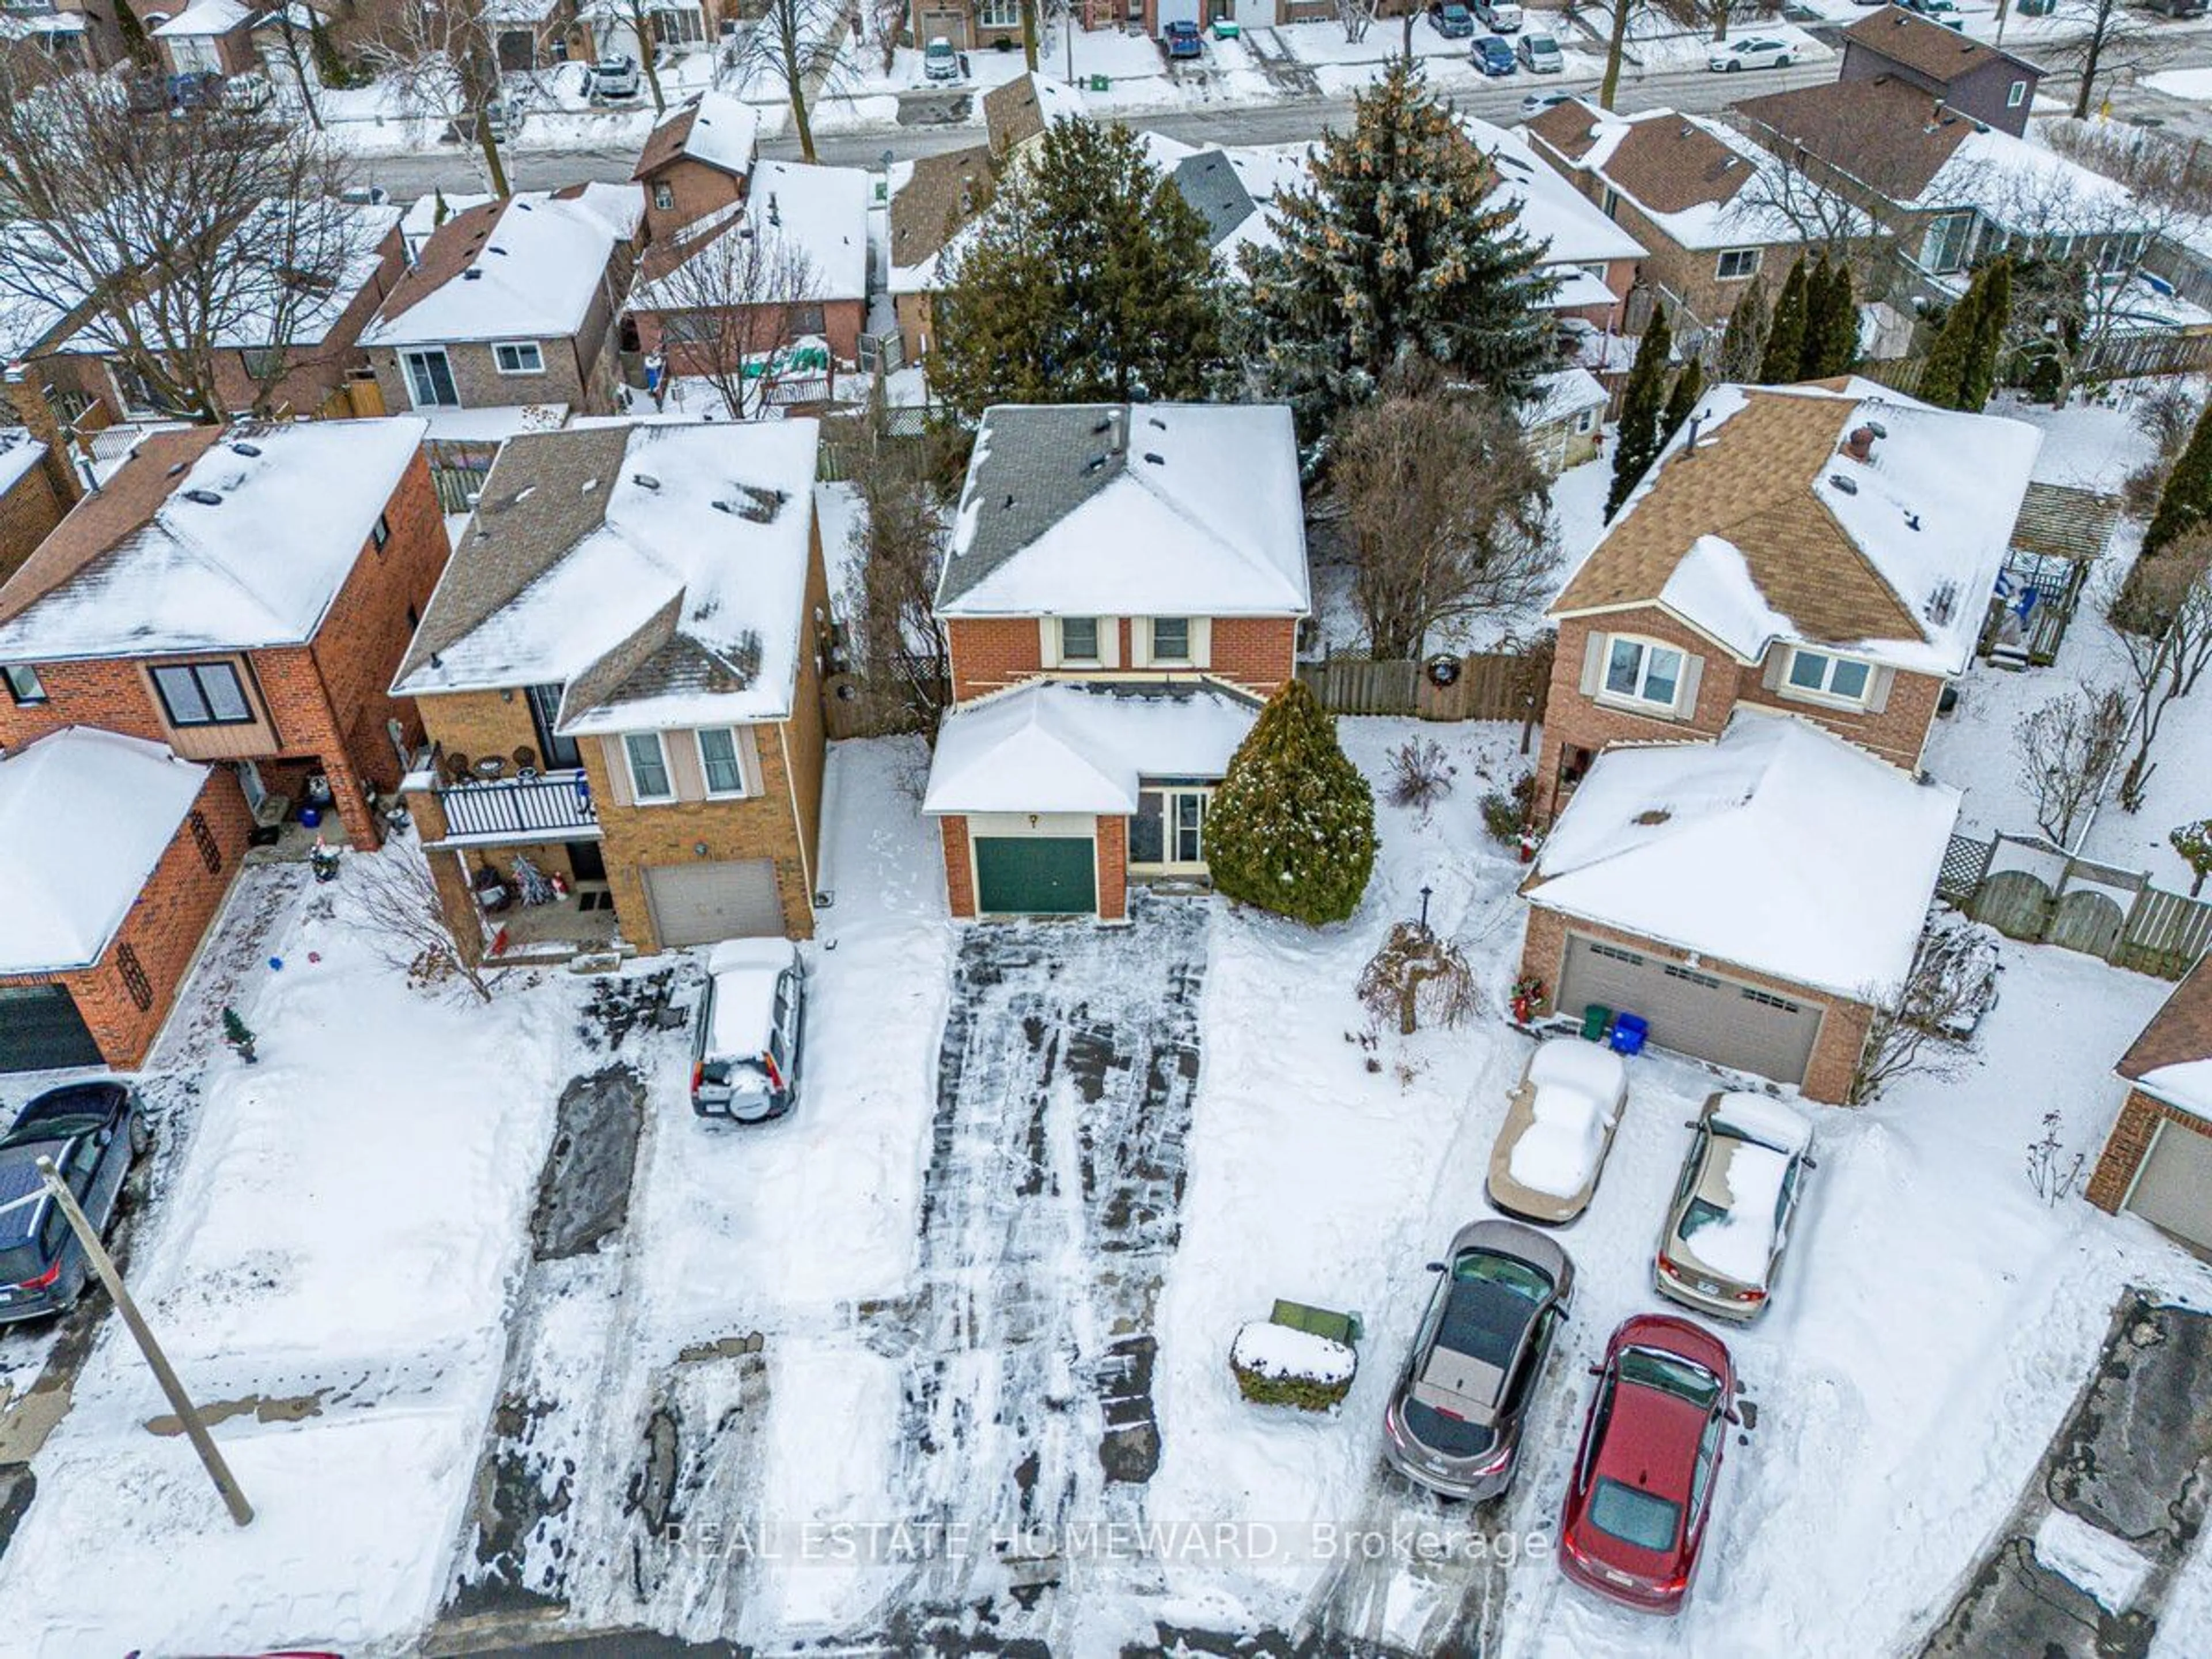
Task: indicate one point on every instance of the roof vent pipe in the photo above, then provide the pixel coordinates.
(1859, 446)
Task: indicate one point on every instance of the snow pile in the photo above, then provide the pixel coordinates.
(2188, 1086)
(1741, 1242)
(2107, 1570)
(1280, 1352)
(1714, 586)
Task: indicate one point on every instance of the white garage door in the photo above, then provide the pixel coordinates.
(699, 904)
(1693, 1011)
(2174, 1190)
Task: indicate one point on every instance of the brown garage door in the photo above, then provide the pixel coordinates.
(2174, 1190)
(1693, 1011)
(699, 904)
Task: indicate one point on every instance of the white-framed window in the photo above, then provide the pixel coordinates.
(1642, 671)
(518, 357)
(718, 761)
(664, 196)
(1585, 420)
(1948, 243)
(2016, 94)
(648, 768)
(1832, 679)
(431, 379)
(999, 15)
(1737, 265)
(1170, 640)
(24, 684)
(1078, 641)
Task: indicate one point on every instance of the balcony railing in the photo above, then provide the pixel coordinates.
(518, 806)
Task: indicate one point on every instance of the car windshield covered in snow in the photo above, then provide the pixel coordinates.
(1642, 1518)
(1670, 1374)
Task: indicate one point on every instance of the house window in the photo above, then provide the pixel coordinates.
(806, 320)
(1817, 674)
(1584, 420)
(1169, 827)
(1079, 639)
(203, 694)
(648, 767)
(262, 363)
(690, 327)
(382, 534)
(1638, 671)
(718, 759)
(24, 684)
(1948, 240)
(560, 752)
(2016, 94)
(430, 380)
(1612, 202)
(1736, 264)
(518, 357)
(998, 13)
(664, 197)
(1170, 639)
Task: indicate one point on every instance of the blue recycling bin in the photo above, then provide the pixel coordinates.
(1629, 1032)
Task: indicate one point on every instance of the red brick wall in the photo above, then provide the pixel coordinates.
(28, 514)
(2128, 1145)
(959, 871)
(1258, 652)
(841, 327)
(1843, 1025)
(990, 653)
(697, 189)
(1113, 843)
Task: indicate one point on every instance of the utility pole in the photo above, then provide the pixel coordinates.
(179, 1401)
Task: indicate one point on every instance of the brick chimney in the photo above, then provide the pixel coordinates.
(1859, 446)
(26, 398)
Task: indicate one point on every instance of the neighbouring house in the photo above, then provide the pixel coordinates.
(621, 677)
(536, 35)
(2157, 1161)
(673, 28)
(1233, 191)
(1710, 209)
(1124, 586)
(239, 596)
(58, 36)
(512, 304)
(34, 493)
(1982, 82)
(1754, 897)
(969, 24)
(1016, 113)
(1591, 260)
(114, 858)
(698, 161)
(797, 271)
(933, 198)
(1563, 417)
(209, 37)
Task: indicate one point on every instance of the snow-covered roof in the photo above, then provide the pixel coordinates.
(2172, 1057)
(209, 541)
(85, 816)
(206, 17)
(526, 268)
(1060, 746)
(19, 452)
(2187, 1084)
(1112, 509)
(1768, 530)
(1562, 393)
(1574, 288)
(714, 127)
(1548, 209)
(1233, 188)
(1778, 848)
(818, 215)
(658, 570)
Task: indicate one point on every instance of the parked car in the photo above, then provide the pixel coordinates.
(250, 90)
(365, 196)
(616, 77)
(1537, 102)
(1454, 1421)
(1641, 1489)
(1539, 54)
(1943, 11)
(746, 1036)
(939, 61)
(1493, 56)
(1500, 17)
(1752, 51)
(1558, 1128)
(1454, 22)
(1730, 1222)
(1180, 37)
(92, 1132)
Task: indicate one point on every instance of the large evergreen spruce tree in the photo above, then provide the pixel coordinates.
(1394, 249)
(1832, 323)
(1089, 278)
(1785, 334)
(1291, 829)
(1642, 402)
(2186, 502)
(1745, 343)
(1986, 353)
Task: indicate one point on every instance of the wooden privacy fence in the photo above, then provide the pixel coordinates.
(458, 471)
(2027, 889)
(1488, 685)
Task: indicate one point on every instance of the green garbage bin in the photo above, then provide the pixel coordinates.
(1102, 83)
(1596, 1018)
(1225, 28)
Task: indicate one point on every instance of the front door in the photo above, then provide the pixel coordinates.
(586, 862)
(1168, 833)
(430, 380)
(561, 753)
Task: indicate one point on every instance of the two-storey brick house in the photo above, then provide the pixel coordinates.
(621, 675)
(1124, 587)
(1980, 81)
(1817, 558)
(698, 161)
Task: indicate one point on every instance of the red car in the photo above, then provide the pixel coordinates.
(1642, 1488)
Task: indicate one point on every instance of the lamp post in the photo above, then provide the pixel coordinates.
(1425, 910)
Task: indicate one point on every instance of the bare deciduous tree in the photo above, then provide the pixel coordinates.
(1447, 512)
(639, 16)
(1355, 16)
(295, 49)
(2161, 614)
(1921, 1025)
(442, 60)
(2107, 38)
(887, 18)
(726, 308)
(898, 550)
(795, 45)
(1418, 977)
(2066, 748)
(395, 900)
(181, 240)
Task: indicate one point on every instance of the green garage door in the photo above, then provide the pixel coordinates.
(1035, 875)
(40, 1029)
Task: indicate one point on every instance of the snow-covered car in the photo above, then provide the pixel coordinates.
(1180, 39)
(1539, 54)
(746, 1036)
(250, 90)
(1454, 22)
(1537, 102)
(1752, 51)
(1454, 1421)
(939, 61)
(1558, 1129)
(92, 1132)
(1493, 56)
(616, 77)
(1499, 16)
(1730, 1222)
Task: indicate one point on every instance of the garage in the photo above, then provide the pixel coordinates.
(2174, 1188)
(1694, 1011)
(40, 1031)
(699, 903)
(1035, 875)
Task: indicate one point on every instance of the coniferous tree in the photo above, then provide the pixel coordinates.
(1943, 376)
(1642, 403)
(1832, 323)
(1785, 334)
(135, 40)
(1089, 278)
(2186, 502)
(1682, 401)
(1819, 296)
(1291, 829)
(1745, 343)
(1394, 249)
(1986, 353)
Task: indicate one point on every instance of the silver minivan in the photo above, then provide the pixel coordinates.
(746, 1036)
(1501, 17)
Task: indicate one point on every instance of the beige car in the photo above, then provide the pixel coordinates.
(1558, 1130)
(1738, 1193)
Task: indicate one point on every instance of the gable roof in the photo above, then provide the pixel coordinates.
(1216, 191)
(711, 127)
(145, 567)
(656, 569)
(1546, 208)
(932, 200)
(1766, 530)
(1777, 847)
(1926, 48)
(1106, 509)
(1022, 107)
(815, 215)
(2172, 1057)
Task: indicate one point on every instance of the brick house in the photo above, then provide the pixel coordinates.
(697, 162)
(1822, 553)
(1981, 81)
(238, 597)
(621, 675)
(2157, 1161)
(114, 858)
(512, 303)
(208, 37)
(1710, 209)
(1125, 586)
(34, 493)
